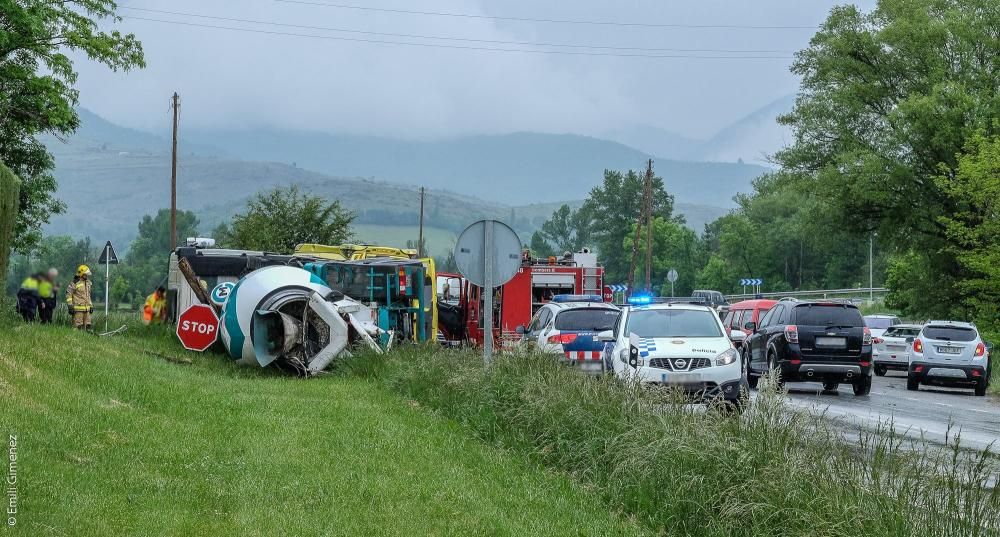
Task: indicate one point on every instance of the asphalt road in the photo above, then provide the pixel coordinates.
(927, 411)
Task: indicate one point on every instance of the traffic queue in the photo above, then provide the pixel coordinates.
(719, 354)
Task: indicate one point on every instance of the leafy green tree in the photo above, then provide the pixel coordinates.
(539, 246)
(674, 247)
(565, 231)
(10, 187)
(610, 213)
(888, 101)
(974, 228)
(280, 219)
(60, 252)
(36, 90)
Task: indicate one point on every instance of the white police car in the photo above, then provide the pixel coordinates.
(678, 343)
(568, 326)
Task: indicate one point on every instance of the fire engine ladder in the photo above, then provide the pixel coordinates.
(592, 284)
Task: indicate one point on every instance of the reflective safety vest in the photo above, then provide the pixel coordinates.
(45, 289)
(154, 309)
(30, 284)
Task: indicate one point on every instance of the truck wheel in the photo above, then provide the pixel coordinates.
(912, 384)
(880, 370)
(863, 387)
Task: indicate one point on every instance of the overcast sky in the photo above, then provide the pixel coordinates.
(232, 79)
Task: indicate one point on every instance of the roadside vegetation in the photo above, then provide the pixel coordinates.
(683, 472)
(130, 435)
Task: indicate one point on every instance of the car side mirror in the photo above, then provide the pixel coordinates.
(737, 336)
(606, 335)
(520, 329)
(750, 326)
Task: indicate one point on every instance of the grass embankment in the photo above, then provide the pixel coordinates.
(774, 472)
(114, 438)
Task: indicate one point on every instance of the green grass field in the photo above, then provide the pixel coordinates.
(121, 436)
(439, 241)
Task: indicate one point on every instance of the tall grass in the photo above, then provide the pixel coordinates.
(683, 472)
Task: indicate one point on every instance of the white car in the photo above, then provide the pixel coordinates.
(676, 344)
(952, 354)
(569, 325)
(891, 350)
(880, 322)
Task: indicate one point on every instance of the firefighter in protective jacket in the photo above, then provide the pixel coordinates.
(78, 298)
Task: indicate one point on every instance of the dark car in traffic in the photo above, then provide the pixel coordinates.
(808, 341)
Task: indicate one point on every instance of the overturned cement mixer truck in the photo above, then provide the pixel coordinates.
(290, 318)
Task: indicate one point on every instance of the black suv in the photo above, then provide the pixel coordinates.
(824, 342)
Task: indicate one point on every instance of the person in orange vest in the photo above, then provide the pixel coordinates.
(155, 310)
(78, 298)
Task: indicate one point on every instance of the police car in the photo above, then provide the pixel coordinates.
(568, 326)
(677, 343)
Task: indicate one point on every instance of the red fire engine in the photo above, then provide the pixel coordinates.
(460, 315)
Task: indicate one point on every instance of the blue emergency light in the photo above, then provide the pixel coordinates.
(638, 300)
(577, 298)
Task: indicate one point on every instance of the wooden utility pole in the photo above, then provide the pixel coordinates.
(648, 188)
(173, 177)
(635, 245)
(420, 237)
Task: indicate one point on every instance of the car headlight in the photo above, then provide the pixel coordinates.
(623, 355)
(727, 357)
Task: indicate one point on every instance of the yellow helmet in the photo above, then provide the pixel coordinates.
(83, 270)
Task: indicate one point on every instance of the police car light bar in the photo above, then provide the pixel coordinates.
(638, 300)
(577, 298)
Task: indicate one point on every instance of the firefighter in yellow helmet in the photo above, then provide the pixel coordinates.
(78, 298)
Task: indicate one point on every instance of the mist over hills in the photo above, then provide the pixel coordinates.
(112, 175)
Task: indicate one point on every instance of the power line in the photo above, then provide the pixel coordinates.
(459, 47)
(554, 21)
(448, 38)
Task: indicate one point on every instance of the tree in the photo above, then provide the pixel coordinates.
(282, 218)
(9, 194)
(974, 228)
(610, 213)
(888, 101)
(674, 247)
(564, 231)
(37, 95)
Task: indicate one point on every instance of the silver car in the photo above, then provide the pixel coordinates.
(891, 350)
(880, 322)
(949, 353)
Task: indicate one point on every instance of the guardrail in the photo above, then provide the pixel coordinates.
(862, 292)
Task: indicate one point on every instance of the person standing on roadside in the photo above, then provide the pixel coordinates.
(47, 289)
(78, 299)
(27, 297)
(155, 309)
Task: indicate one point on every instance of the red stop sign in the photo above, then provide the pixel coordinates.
(198, 327)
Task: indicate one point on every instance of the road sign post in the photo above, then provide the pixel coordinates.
(198, 327)
(672, 277)
(108, 257)
(488, 254)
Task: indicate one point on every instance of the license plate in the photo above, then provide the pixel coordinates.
(831, 342)
(950, 350)
(896, 347)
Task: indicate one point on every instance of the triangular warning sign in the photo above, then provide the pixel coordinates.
(108, 255)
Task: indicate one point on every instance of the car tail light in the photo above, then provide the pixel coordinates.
(918, 346)
(980, 350)
(877, 341)
(976, 373)
(864, 364)
(867, 337)
(562, 339)
(792, 333)
(403, 287)
(918, 369)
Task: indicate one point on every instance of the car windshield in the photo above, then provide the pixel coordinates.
(828, 315)
(673, 323)
(880, 323)
(950, 333)
(902, 332)
(596, 319)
